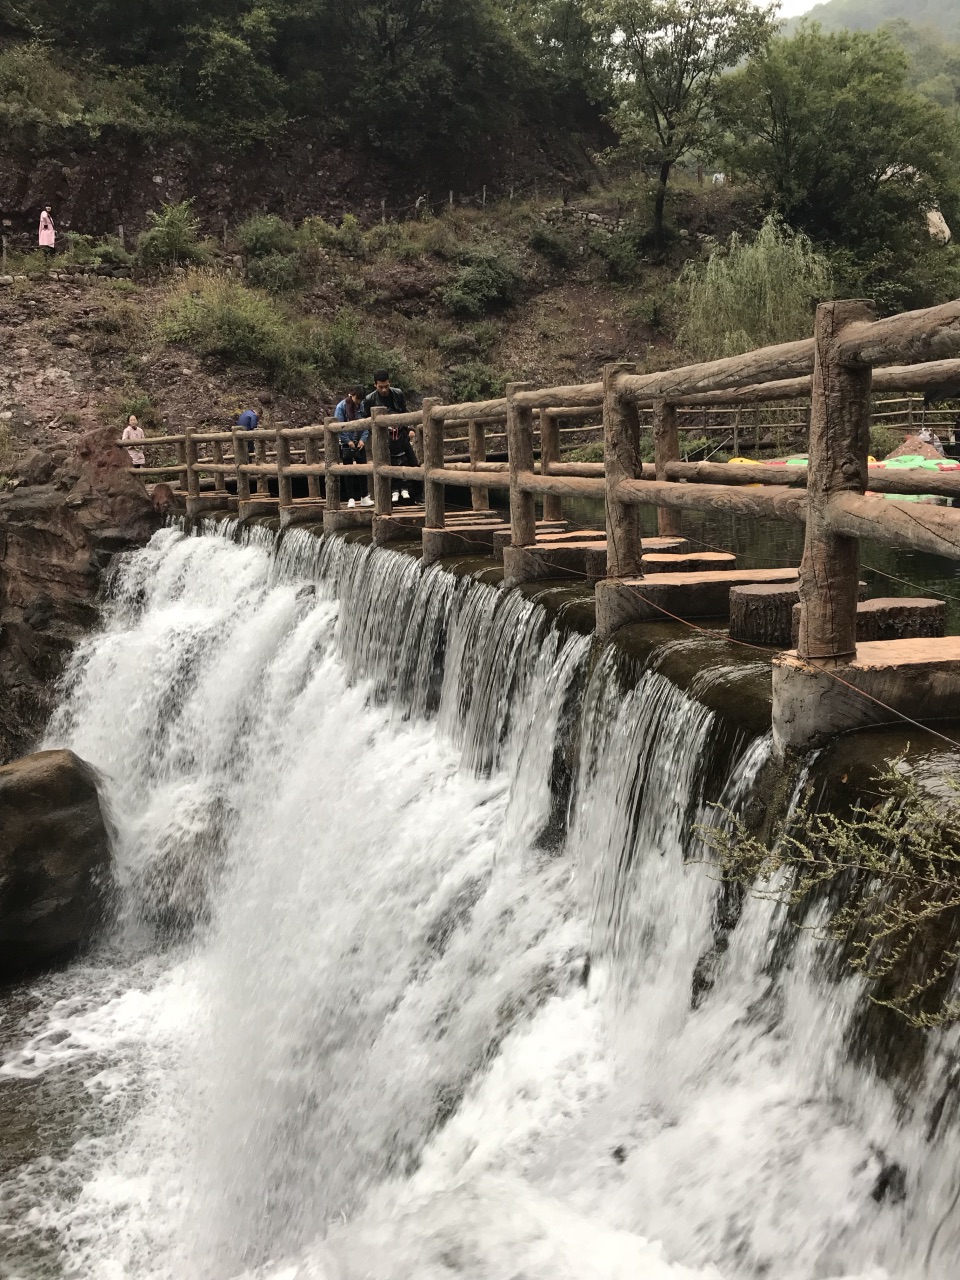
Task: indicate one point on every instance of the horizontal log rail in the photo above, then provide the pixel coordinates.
(895, 480)
(779, 504)
(897, 524)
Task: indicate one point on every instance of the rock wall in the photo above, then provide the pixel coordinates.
(67, 513)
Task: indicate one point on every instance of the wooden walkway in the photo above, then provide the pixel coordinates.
(296, 474)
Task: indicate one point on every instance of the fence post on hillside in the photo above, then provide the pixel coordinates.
(434, 496)
(550, 452)
(621, 461)
(241, 455)
(839, 444)
(331, 454)
(284, 479)
(477, 444)
(736, 432)
(380, 456)
(523, 511)
(311, 452)
(191, 457)
(666, 448)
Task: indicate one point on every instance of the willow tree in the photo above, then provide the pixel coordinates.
(668, 57)
(752, 293)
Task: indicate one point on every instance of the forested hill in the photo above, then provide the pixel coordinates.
(865, 15)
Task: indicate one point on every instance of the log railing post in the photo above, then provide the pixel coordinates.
(240, 456)
(666, 448)
(260, 448)
(621, 461)
(476, 436)
(284, 479)
(523, 511)
(331, 454)
(219, 479)
(380, 457)
(184, 480)
(434, 497)
(550, 452)
(191, 457)
(839, 443)
(311, 454)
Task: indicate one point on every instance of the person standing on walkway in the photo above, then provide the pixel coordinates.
(353, 446)
(249, 420)
(134, 431)
(48, 232)
(401, 447)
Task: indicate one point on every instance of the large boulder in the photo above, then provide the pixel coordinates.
(55, 864)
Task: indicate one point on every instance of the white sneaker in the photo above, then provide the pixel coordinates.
(405, 493)
(352, 502)
(395, 495)
(366, 502)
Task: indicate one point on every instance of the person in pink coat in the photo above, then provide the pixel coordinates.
(48, 232)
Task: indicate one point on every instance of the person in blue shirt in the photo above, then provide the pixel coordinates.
(249, 420)
(353, 446)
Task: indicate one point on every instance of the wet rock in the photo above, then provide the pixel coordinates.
(56, 536)
(55, 862)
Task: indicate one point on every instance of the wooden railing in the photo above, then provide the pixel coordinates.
(848, 374)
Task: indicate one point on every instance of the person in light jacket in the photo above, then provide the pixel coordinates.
(134, 431)
(353, 447)
(48, 232)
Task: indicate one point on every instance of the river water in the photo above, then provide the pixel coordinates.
(416, 972)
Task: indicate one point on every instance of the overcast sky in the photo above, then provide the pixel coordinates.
(790, 8)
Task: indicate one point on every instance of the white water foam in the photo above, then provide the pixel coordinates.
(344, 1028)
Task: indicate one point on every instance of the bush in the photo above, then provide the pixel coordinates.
(343, 353)
(265, 235)
(276, 272)
(475, 380)
(223, 320)
(584, 453)
(557, 250)
(752, 294)
(884, 440)
(171, 239)
(486, 282)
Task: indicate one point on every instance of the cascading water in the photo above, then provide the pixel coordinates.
(377, 1005)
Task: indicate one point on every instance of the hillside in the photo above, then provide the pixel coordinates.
(866, 15)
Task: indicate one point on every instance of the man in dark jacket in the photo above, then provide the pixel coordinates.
(401, 449)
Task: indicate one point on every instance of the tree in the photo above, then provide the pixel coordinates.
(752, 293)
(668, 57)
(843, 149)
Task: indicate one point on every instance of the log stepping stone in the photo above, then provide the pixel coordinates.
(692, 562)
(762, 613)
(685, 595)
(892, 618)
(583, 559)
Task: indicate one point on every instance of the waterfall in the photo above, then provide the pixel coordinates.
(418, 971)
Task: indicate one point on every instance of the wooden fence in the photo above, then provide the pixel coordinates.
(855, 371)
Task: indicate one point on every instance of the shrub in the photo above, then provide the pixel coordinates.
(276, 272)
(474, 380)
(222, 319)
(584, 453)
(557, 249)
(265, 235)
(171, 239)
(750, 294)
(350, 237)
(486, 281)
(884, 440)
(343, 352)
